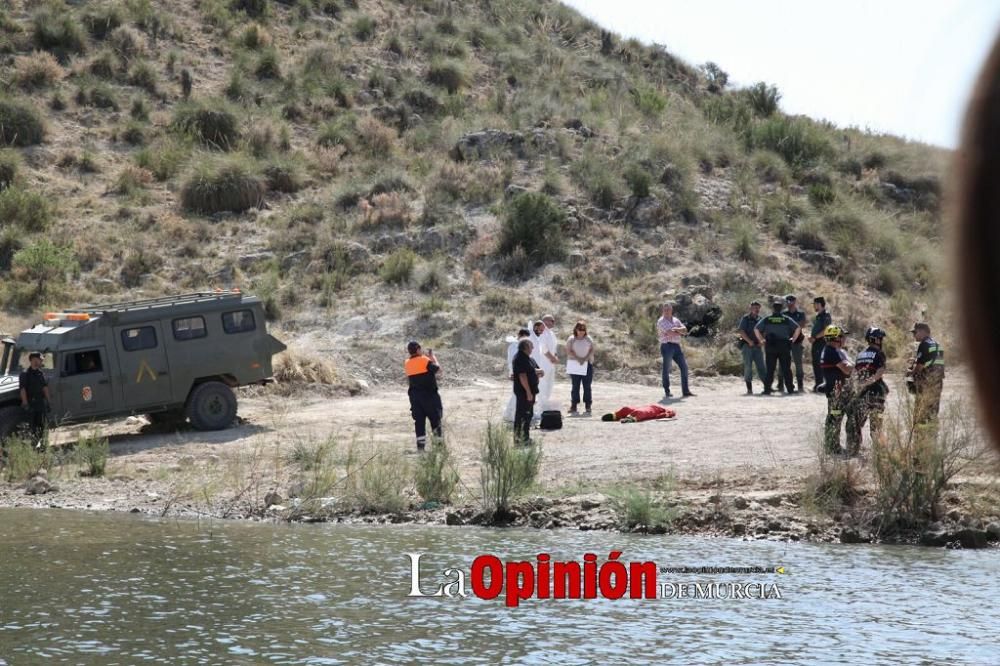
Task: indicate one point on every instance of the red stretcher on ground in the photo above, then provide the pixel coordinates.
(639, 414)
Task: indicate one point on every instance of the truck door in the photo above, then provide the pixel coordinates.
(144, 379)
(84, 388)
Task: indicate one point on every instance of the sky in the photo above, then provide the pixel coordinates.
(903, 67)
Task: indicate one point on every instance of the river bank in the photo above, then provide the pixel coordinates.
(727, 466)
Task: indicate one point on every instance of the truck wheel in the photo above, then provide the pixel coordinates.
(212, 406)
(10, 419)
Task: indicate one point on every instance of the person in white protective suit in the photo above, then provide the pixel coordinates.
(544, 353)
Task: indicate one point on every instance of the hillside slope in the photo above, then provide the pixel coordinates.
(363, 166)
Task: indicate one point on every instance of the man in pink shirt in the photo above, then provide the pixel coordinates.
(670, 330)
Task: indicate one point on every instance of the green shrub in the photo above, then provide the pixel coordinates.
(98, 95)
(594, 174)
(638, 180)
(164, 158)
(56, 30)
(100, 21)
(648, 100)
(913, 464)
(836, 485)
(134, 134)
(380, 483)
(24, 460)
(38, 70)
(508, 302)
(30, 211)
(127, 42)
(398, 266)
(887, 280)
(846, 228)
(284, 175)
(763, 99)
(885, 247)
(875, 160)
(252, 8)
(139, 109)
(533, 223)
(131, 181)
(268, 66)
(363, 28)
(809, 236)
(638, 508)
(436, 476)
(10, 165)
(728, 110)
(91, 451)
(431, 277)
(340, 132)
(138, 262)
(308, 456)
(506, 470)
(255, 37)
(236, 88)
(821, 194)
(216, 126)
(745, 244)
(222, 185)
(57, 102)
(104, 65)
(448, 74)
(10, 242)
(144, 76)
(770, 167)
(799, 141)
(43, 264)
(20, 124)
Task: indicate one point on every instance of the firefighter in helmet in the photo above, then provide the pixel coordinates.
(837, 369)
(870, 391)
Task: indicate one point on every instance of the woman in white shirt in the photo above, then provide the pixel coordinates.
(580, 350)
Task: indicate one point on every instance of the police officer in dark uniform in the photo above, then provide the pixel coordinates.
(35, 396)
(820, 322)
(777, 333)
(927, 373)
(837, 369)
(525, 377)
(799, 317)
(870, 391)
(422, 371)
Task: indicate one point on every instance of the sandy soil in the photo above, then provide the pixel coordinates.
(718, 435)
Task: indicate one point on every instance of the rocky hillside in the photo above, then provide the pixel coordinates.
(379, 170)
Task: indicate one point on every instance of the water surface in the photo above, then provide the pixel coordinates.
(78, 588)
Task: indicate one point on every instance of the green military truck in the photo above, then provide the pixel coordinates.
(172, 358)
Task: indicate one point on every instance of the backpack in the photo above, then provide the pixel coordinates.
(551, 420)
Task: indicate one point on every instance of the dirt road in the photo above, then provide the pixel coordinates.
(760, 442)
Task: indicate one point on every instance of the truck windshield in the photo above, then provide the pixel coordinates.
(19, 360)
(8, 349)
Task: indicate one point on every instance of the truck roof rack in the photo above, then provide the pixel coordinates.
(220, 296)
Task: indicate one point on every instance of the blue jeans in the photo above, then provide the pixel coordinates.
(586, 380)
(752, 356)
(671, 351)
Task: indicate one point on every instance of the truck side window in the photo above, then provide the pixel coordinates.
(79, 363)
(143, 337)
(239, 321)
(189, 328)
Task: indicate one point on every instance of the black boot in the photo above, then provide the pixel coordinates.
(749, 388)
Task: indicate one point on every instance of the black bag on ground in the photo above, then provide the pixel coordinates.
(551, 420)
